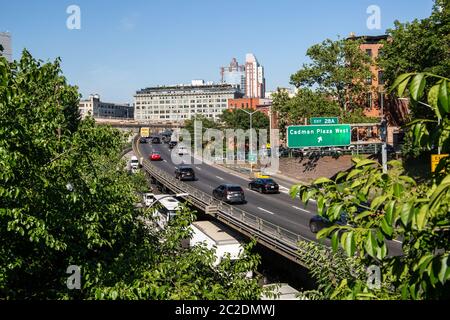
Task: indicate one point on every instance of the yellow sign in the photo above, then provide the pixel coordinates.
(145, 132)
(435, 158)
(268, 145)
(262, 176)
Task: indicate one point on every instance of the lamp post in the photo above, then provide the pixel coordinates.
(251, 134)
(383, 127)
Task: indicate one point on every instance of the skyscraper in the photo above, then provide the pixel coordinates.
(5, 42)
(254, 76)
(234, 74)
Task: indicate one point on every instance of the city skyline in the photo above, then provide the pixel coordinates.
(121, 49)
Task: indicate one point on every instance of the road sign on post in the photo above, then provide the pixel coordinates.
(324, 120)
(435, 158)
(319, 136)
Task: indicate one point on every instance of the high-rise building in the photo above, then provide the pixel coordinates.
(234, 74)
(5, 42)
(254, 76)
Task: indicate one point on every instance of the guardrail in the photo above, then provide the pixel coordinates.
(267, 233)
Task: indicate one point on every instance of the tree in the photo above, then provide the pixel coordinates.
(65, 199)
(238, 119)
(338, 69)
(387, 206)
(419, 45)
(307, 104)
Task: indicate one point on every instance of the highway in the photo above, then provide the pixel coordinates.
(279, 209)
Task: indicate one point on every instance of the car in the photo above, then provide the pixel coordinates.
(230, 193)
(156, 140)
(172, 144)
(318, 223)
(142, 140)
(264, 185)
(155, 156)
(134, 162)
(184, 173)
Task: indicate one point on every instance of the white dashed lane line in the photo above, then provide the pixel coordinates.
(220, 178)
(198, 168)
(262, 209)
(304, 210)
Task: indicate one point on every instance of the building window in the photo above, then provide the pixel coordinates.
(380, 77)
(369, 52)
(369, 100)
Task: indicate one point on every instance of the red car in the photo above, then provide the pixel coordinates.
(155, 157)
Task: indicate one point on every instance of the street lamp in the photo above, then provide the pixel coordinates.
(383, 129)
(251, 134)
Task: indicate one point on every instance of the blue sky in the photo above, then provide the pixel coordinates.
(123, 46)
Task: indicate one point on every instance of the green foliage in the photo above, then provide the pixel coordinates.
(419, 45)
(381, 207)
(335, 66)
(239, 119)
(65, 199)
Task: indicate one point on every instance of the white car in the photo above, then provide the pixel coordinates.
(134, 162)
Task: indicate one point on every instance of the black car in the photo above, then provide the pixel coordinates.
(184, 173)
(264, 185)
(172, 144)
(156, 140)
(318, 223)
(142, 140)
(230, 193)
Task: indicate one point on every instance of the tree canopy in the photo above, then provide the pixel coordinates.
(338, 69)
(65, 199)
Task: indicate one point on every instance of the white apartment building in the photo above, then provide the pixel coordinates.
(99, 109)
(181, 102)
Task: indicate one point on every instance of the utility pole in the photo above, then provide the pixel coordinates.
(251, 135)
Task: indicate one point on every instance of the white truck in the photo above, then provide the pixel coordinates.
(217, 236)
(166, 207)
(134, 163)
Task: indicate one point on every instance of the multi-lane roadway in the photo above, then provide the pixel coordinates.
(279, 209)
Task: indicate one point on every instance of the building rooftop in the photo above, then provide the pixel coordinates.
(188, 87)
(216, 232)
(369, 39)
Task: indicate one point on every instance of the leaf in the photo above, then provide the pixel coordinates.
(365, 162)
(444, 272)
(401, 82)
(335, 241)
(443, 96)
(363, 215)
(416, 86)
(350, 244)
(293, 192)
(421, 217)
(405, 214)
(433, 99)
(386, 227)
(322, 181)
(437, 195)
(325, 232)
(398, 190)
(371, 245)
(377, 201)
(382, 251)
(353, 173)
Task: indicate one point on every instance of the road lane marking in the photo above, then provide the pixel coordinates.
(262, 209)
(165, 160)
(220, 178)
(198, 168)
(300, 209)
(397, 241)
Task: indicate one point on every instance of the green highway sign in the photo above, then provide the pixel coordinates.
(252, 157)
(319, 136)
(324, 120)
